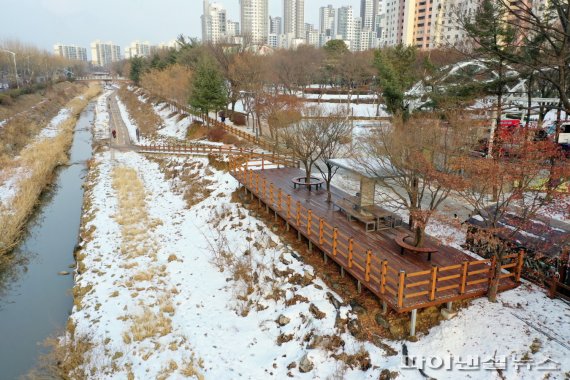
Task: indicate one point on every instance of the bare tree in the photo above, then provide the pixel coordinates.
(414, 161)
(336, 134)
(494, 188)
(302, 140)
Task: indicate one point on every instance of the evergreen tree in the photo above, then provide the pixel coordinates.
(138, 66)
(396, 75)
(208, 89)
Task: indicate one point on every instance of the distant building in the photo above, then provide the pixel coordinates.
(104, 53)
(294, 18)
(232, 28)
(214, 22)
(369, 13)
(275, 25)
(254, 19)
(312, 35)
(139, 49)
(327, 21)
(72, 52)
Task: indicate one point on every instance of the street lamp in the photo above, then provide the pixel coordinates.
(15, 67)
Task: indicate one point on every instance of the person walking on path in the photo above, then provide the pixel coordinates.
(114, 133)
(138, 135)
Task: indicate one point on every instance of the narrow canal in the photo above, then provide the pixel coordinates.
(35, 301)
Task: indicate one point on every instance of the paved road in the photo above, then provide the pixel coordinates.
(116, 122)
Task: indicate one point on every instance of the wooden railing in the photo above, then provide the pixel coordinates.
(403, 291)
(554, 288)
(244, 156)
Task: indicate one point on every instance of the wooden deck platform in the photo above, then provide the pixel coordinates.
(405, 282)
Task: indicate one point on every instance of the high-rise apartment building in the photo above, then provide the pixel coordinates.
(139, 49)
(369, 13)
(214, 22)
(345, 25)
(327, 21)
(294, 18)
(254, 18)
(232, 28)
(104, 53)
(72, 52)
(275, 25)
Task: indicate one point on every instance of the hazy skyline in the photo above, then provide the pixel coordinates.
(43, 23)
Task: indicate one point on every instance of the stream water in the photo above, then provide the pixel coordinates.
(35, 301)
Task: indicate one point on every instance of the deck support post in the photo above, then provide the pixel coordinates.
(298, 235)
(342, 271)
(275, 215)
(310, 246)
(384, 307)
(287, 226)
(449, 306)
(413, 322)
(325, 258)
(358, 286)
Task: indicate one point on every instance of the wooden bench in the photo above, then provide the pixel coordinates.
(399, 239)
(349, 209)
(302, 181)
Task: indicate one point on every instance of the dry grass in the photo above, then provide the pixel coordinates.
(39, 161)
(189, 368)
(145, 118)
(146, 325)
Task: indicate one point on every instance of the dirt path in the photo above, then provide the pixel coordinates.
(116, 123)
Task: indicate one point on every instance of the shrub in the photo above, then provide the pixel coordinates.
(216, 134)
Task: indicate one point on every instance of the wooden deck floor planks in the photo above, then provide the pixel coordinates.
(380, 243)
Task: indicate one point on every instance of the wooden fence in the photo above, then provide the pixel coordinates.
(557, 288)
(370, 266)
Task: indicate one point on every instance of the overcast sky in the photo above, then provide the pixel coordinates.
(43, 23)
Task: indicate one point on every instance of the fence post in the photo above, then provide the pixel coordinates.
(271, 194)
(298, 214)
(288, 207)
(309, 217)
(279, 197)
(368, 262)
(464, 267)
(553, 286)
(383, 276)
(520, 264)
(401, 285)
(350, 251)
(321, 231)
(433, 282)
(257, 183)
(335, 241)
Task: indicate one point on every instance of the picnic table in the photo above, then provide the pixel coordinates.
(384, 218)
(302, 181)
(351, 210)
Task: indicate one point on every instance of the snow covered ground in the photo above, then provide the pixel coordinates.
(210, 271)
(130, 124)
(173, 126)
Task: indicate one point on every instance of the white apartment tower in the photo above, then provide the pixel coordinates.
(138, 49)
(214, 22)
(104, 53)
(254, 19)
(275, 25)
(369, 13)
(294, 18)
(345, 25)
(72, 52)
(327, 21)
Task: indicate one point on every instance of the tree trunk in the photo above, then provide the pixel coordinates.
(494, 284)
(307, 171)
(419, 234)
